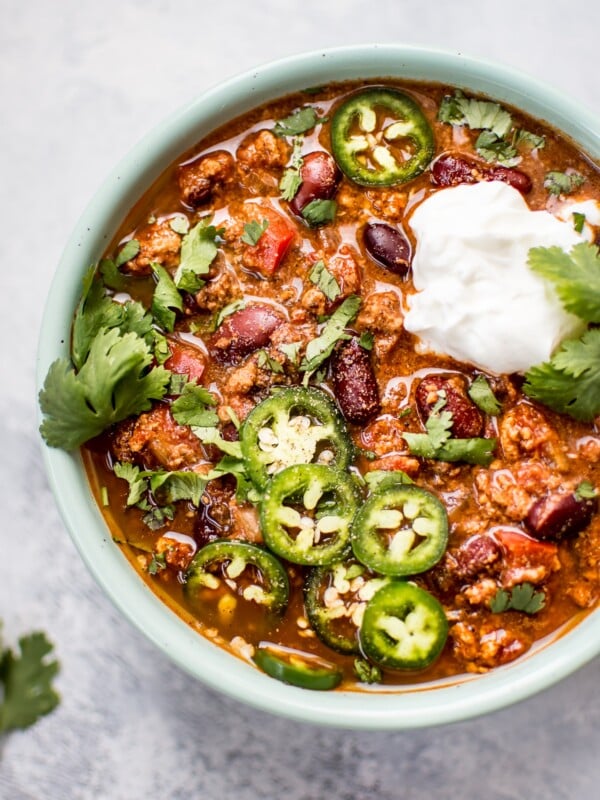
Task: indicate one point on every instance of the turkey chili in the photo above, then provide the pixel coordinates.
(336, 385)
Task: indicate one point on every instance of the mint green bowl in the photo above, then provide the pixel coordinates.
(405, 707)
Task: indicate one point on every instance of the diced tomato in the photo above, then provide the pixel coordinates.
(185, 359)
(521, 550)
(267, 254)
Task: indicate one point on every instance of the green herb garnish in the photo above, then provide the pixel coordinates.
(563, 182)
(522, 597)
(319, 212)
(325, 280)
(300, 121)
(253, 231)
(321, 348)
(482, 395)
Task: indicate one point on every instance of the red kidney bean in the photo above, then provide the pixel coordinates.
(451, 170)
(244, 332)
(320, 177)
(354, 384)
(558, 515)
(387, 246)
(476, 555)
(467, 419)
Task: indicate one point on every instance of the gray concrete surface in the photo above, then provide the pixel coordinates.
(80, 82)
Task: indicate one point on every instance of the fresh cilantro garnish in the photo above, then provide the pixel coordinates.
(137, 480)
(325, 280)
(575, 275)
(376, 477)
(210, 435)
(319, 212)
(113, 383)
(194, 407)
(366, 672)
(482, 395)
(578, 221)
(178, 485)
(530, 140)
(437, 444)
(522, 597)
(112, 277)
(477, 114)
(492, 147)
(157, 563)
(585, 491)
(180, 224)
(300, 121)
(233, 417)
(26, 682)
(177, 384)
(253, 231)
(321, 348)
(198, 251)
(236, 467)
(291, 351)
(264, 361)
(570, 382)
(157, 516)
(161, 350)
(228, 310)
(563, 182)
(165, 299)
(291, 181)
(129, 250)
(366, 340)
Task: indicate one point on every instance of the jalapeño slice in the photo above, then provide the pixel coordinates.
(403, 627)
(293, 426)
(400, 530)
(381, 137)
(335, 599)
(266, 583)
(305, 514)
(297, 667)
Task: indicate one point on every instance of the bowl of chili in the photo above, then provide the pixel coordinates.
(329, 488)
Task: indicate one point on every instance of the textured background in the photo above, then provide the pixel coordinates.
(81, 82)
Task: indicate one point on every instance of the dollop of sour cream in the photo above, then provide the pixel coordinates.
(477, 299)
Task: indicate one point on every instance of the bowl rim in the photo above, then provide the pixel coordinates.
(452, 701)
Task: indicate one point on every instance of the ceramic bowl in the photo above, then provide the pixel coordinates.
(410, 706)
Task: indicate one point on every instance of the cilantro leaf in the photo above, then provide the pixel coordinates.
(585, 491)
(575, 275)
(578, 221)
(129, 250)
(482, 395)
(177, 384)
(521, 597)
(113, 384)
(500, 602)
(563, 182)
(138, 483)
(228, 310)
(494, 148)
(366, 672)
(325, 280)
(321, 348)
(253, 231)
(291, 351)
(477, 114)
(178, 485)
(231, 465)
(158, 562)
(180, 224)
(378, 477)
(95, 311)
(210, 435)
(193, 407)
(530, 140)
(570, 382)
(26, 679)
(291, 180)
(264, 361)
(319, 212)
(157, 516)
(470, 451)
(366, 340)
(112, 277)
(300, 121)
(198, 251)
(165, 299)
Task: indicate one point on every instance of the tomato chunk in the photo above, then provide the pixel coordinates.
(185, 359)
(268, 253)
(523, 551)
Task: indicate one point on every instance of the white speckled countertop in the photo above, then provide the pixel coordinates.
(80, 82)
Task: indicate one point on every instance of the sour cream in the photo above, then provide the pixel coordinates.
(477, 300)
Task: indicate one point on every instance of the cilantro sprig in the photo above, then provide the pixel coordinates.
(26, 691)
(325, 281)
(558, 183)
(300, 121)
(319, 349)
(198, 251)
(521, 597)
(253, 231)
(291, 180)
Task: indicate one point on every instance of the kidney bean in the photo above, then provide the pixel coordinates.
(476, 555)
(320, 177)
(558, 515)
(467, 419)
(387, 246)
(451, 170)
(354, 384)
(244, 332)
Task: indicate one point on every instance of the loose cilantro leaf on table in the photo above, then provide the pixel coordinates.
(198, 251)
(194, 407)
(321, 348)
(165, 299)
(291, 181)
(494, 148)
(482, 395)
(26, 683)
(477, 114)
(253, 231)
(563, 182)
(575, 275)
(319, 212)
(521, 597)
(325, 280)
(301, 121)
(570, 382)
(113, 384)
